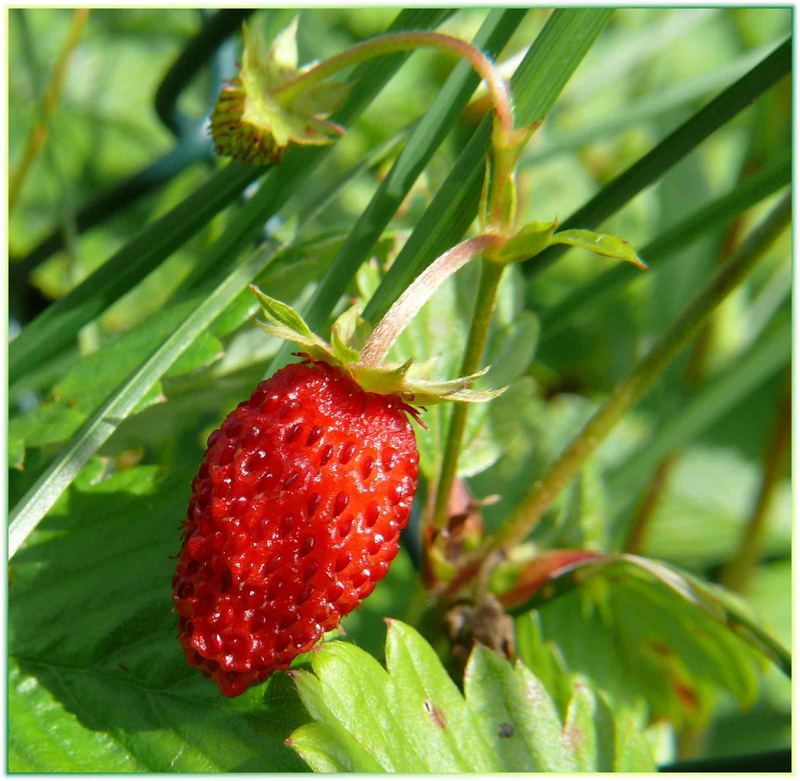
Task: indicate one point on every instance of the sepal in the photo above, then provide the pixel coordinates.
(251, 122)
(287, 324)
(351, 332)
(348, 335)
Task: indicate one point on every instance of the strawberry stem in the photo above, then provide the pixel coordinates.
(476, 342)
(629, 391)
(737, 572)
(506, 141)
(394, 42)
(543, 492)
(416, 295)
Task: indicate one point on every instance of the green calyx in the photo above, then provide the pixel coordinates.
(349, 334)
(251, 123)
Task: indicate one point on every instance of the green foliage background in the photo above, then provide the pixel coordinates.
(97, 681)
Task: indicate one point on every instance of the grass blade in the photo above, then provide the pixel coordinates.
(59, 324)
(653, 106)
(621, 53)
(672, 149)
(716, 214)
(538, 81)
(426, 138)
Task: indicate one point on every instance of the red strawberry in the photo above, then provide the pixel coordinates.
(294, 517)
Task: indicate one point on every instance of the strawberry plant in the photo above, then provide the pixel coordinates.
(334, 444)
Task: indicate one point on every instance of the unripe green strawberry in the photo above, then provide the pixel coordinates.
(294, 517)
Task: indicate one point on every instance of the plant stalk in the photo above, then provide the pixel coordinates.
(629, 391)
(396, 42)
(736, 573)
(38, 135)
(417, 294)
(476, 341)
(647, 507)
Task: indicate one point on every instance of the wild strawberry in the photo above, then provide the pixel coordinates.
(294, 517)
(297, 507)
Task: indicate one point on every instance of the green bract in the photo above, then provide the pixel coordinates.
(347, 337)
(251, 123)
(535, 237)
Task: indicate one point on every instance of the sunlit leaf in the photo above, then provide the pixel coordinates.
(411, 717)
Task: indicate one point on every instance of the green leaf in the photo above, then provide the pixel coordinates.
(519, 718)
(727, 608)
(510, 351)
(489, 428)
(544, 660)
(330, 751)
(661, 637)
(602, 740)
(599, 244)
(530, 240)
(430, 706)
(89, 381)
(349, 694)
(411, 717)
(46, 736)
(105, 688)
